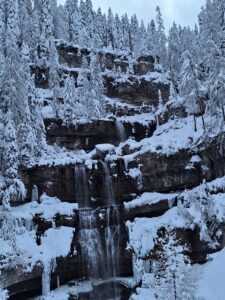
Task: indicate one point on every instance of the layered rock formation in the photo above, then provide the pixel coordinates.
(143, 159)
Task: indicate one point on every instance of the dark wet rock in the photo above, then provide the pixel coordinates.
(137, 91)
(86, 136)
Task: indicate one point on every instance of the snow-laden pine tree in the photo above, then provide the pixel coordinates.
(2, 26)
(97, 88)
(14, 189)
(175, 277)
(161, 50)
(190, 88)
(101, 26)
(60, 24)
(142, 40)
(151, 38)
(134, 35)
(12, 23)
(3, 294)
(54, 78)
(9, 231)
(84, 35)
(90, 22)
(174, 52)
(69, 101)
(47, 17)
(111, 30)
(73, 21)
(125, 32)
(36, 117)
(117, 33)
(25, 22)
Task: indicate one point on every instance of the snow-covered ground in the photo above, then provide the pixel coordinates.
(55, 242)
(149, 199)
(48, 208)
(143, 231)
(175, 135)
(210, 284)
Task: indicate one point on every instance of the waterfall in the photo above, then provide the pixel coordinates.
(81, 185)
(112, 229)
(99, 244)
(107, 184)
(89, 235)
(120, 131)
(91, 244)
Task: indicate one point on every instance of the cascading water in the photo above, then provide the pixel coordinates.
(100, 246)
(120, 131)
(81, 185)
(91, 244)
(112, 228)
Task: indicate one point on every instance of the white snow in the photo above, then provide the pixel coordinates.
(175, 135)
(55, 156)
(48, 208)
(150, 198)
(143, 231)
(54, 243)
(211, 280)
(211, 285)
(145, 119)
(105, 147)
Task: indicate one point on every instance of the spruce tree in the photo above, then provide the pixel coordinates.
(160, 37)
(73, 21)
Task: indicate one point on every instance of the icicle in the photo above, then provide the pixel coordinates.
(120, 131)
(46, 278)
(34, 196)
(138, 268)
(81, 185)
(108, 188)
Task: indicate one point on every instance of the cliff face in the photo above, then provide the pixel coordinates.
(141, 167)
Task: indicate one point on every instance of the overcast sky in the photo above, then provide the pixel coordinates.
(183, 12)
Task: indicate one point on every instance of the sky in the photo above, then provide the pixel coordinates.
(183, 12)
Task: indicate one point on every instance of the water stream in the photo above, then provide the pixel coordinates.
(99, 244)
(120, 131)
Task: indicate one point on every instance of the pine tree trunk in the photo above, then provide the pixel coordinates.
(223, 111)
(174, 283)
(203, 121)
(195, 124)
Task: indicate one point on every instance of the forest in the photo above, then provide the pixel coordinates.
(138, 114)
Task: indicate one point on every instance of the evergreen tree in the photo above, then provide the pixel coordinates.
(47, 20)
(84, 36)
(151, 37)
(74, 21)
(134, 35)
(36, 118)
(142, 39)
(2, 26)
(54, 78)
(3, 294)
(160, 37)
(101, 32)
(97, 88)
(175, 279)
(125, 32)
(111, 30)
(69, 101)
(174, 52)
(14, 189)
(25, 22)
(190, 88)
(60, 24)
